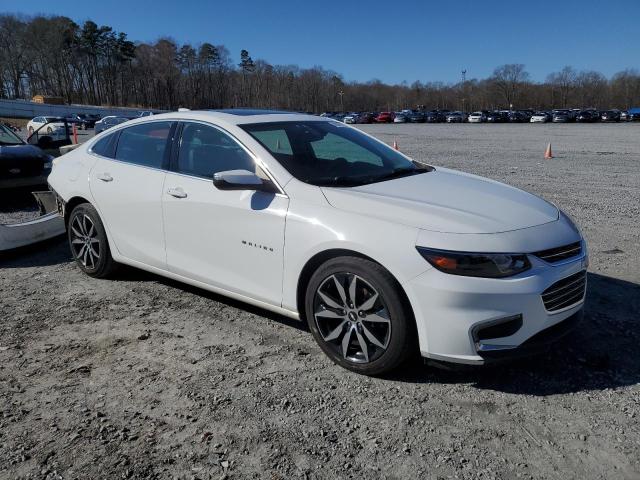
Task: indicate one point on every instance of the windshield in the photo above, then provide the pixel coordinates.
(7, 137)
(330, 154)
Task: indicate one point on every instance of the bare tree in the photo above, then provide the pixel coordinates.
(564, 82)
(508, 80)
(95, 64)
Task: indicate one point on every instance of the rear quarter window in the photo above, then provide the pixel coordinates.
(144, 144)
(105, 147)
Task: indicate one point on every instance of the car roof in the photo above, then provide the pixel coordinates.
(237, 116)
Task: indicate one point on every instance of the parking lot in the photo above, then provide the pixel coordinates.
(142, 377)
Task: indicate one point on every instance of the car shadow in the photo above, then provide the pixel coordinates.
(601, 352)
(130, 274)
(48, 252)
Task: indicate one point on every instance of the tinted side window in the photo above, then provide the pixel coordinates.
(144, 144)
(206, 150)
(105, 146)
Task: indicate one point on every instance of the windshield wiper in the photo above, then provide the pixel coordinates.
(358, 181)
(337, 182)
(398, 173)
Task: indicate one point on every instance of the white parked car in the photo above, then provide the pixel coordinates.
(400, 118)
(477, 117)
(351, 118)
(540, 117)
(314, 219)
(50, 126)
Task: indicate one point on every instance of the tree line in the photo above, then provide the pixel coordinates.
(91, 64)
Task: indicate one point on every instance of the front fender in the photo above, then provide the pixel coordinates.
(312, 229)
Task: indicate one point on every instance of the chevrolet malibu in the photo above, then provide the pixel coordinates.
(381, 255)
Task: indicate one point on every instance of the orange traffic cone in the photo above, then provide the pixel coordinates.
(547, 152)
(395, 145)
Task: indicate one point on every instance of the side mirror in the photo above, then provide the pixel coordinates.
(242, 180)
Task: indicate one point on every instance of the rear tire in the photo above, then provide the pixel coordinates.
(88, 242)
(358, 315)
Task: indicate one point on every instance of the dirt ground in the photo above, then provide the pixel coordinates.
(141, 377)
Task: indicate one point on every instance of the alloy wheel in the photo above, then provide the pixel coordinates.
(352, 317)
(84, 241)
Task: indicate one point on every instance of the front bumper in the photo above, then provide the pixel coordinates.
(450, 309)
(538, 343)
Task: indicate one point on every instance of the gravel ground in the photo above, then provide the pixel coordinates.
(18, 206)
(141, 377)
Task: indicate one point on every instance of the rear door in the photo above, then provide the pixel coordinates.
(228, 239)
(127, 182)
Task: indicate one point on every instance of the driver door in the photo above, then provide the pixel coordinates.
(232, 240)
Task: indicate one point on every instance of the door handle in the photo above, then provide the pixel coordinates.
(177, 192)
(105, 177)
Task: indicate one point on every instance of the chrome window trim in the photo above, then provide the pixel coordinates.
(255, 158)
(121, 126)
(90, 151)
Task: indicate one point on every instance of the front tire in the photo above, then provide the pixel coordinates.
(88, 242)
(359, 317)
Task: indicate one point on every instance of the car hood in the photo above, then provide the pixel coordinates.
(446, 201)
(19, 152)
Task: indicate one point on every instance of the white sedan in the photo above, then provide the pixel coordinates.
(51, 126)
(381, 255)
(540, 117)
(477, 117)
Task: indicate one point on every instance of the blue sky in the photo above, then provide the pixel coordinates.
(392, 40)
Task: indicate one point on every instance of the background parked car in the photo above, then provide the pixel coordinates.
(610, 116)
(384, 117)
(561, 116)
(89, 119)
(633, 114)
(540, 117)
(416, 117)
(400, 118)
(497, 117)
(477, 117)
(519, 116)
(21, 164)
(588, 116)
(351, 118)
(77, 120)
(54, 127)
(435, 116)
(108, 122)
(365, 118)
(339, 117)
(456, 117)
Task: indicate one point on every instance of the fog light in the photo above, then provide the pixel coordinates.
(501, 327)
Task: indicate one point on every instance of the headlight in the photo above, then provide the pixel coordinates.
(488, 265)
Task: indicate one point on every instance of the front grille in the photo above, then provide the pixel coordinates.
(558, 254)
(566, 292)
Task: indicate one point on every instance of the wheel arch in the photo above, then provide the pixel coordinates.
(321, 257)
(71, 204)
